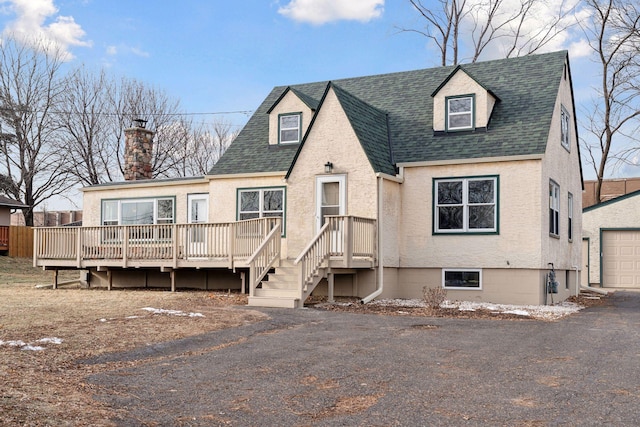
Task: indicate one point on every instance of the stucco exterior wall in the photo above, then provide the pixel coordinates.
(516, 246)
(332, 139)
(501, 286)
(623, 213)
(290, 103)
(92, 197)
(563, 167)
(462, 84)
(391, 220)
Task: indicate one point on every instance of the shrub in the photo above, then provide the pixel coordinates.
(434, 296)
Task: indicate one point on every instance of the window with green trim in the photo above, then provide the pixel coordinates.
(289, 128)
(460, 112)
(554, 208)
(262, 203)
(466, 205)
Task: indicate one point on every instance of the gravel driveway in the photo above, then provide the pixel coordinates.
(311, 367)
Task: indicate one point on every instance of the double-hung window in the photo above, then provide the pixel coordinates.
(460, 112)
(289, 128)
(570, 216)
(466, 205)
(564, 128)
(261, 203)
(554, 208)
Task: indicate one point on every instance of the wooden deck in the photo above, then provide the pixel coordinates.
(345, 242)
(227, 245)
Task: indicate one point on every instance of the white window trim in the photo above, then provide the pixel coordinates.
(465, 206)
(281, 128)
(570, 217)
(466, 270)
(470, 113)
(154, 200)
(565, 136)
(554, 205)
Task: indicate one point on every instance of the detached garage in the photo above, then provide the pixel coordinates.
(612, 232)
(621, 258)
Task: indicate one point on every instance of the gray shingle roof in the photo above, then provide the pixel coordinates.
(526, 86)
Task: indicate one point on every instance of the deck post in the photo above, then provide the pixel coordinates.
(172, 274)
(330, 280)
(109, 279)
(347, 237)
(55, 279)
(78, 247)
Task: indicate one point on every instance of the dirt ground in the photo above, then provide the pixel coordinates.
(44, 332)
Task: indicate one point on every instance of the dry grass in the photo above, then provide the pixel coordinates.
(46, 387)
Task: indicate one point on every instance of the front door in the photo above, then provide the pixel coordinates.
(198, 214)
(331, 200)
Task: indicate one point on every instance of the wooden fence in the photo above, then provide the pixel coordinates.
(20, 241)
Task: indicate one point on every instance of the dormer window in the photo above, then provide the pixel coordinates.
(289, 128)
(460, 112)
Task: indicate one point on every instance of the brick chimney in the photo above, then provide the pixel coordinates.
(138, 146)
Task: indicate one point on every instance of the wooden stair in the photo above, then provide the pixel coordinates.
(282, 287)
(279, 289)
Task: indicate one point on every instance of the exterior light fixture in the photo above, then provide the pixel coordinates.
(328, 167)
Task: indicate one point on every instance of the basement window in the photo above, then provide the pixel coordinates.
(462, 279)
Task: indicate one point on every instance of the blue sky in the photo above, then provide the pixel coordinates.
(225, 56)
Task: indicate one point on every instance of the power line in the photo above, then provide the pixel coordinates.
(213, 113)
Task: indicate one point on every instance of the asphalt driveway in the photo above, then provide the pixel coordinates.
(310, 367)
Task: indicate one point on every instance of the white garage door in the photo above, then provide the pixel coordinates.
(621, 259)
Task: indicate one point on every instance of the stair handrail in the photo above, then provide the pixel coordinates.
(319, 250)
(264, 257)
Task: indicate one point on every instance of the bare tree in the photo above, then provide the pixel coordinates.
(131, 100)
(30, 90)
(613, 120)
(202, 147)
(84, 119)
(515, 27)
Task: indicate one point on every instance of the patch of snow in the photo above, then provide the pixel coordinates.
(171, 312)
(52, 340)
(518, 312)
(30, 347)
(544, 312)
(13, 343)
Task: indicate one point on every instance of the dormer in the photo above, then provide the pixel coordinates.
(289, 117)
(461, 103)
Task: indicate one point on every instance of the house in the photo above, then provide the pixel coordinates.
(611, 188)
(611, 242)
(6, 206)
(49, 218)
(466, 178)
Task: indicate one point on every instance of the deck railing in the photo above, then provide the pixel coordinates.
(168, 242)
(343, 237)
(265, 257)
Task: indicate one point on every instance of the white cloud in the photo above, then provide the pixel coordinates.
(320, 12)
(537, 25)
(112, 50)
(31, 25)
